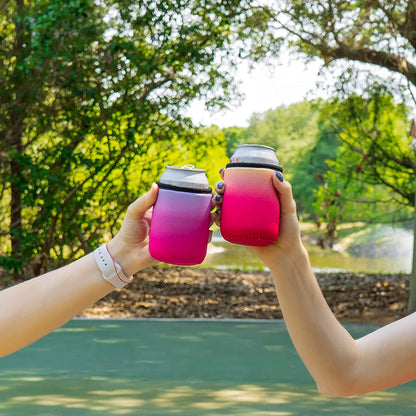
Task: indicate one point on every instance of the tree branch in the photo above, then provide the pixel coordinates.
(393, 62)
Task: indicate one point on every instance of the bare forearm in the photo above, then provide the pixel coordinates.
(36, 307)
(340, 365)
(327, 349)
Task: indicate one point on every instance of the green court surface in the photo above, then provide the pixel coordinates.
(176, 367)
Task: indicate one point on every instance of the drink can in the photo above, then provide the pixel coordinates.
(179, 229)
(250, 213)
(187, 177)
(254, 155)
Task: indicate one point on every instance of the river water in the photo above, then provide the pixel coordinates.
(395, 258)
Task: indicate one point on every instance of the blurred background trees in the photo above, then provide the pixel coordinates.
(350, 156)
(92, 97)
(91, 94)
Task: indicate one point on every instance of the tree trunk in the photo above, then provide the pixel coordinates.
(14, 138)
(16, 208)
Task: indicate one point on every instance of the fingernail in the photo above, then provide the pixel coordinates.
(279, 176)
(220, 185)
(221, 170)
(218, 197)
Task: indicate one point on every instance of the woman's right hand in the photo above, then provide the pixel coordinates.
(288, 240)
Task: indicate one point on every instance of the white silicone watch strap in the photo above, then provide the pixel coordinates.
(110, 268)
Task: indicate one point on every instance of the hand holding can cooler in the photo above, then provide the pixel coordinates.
(250, 213)
(179, 229)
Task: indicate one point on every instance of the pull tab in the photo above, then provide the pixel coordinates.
(189, 166)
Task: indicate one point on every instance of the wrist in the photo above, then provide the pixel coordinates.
(279, 253)
(289, 257)
(131, 257)
(123, 255)
(111, 270)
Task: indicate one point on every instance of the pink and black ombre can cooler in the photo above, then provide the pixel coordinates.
(179, 228)
(250, 212)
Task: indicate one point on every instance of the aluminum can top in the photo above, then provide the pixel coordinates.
(254, 154)
(186, 176)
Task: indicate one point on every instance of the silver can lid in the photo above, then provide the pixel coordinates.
(187, 177)
(255, 155)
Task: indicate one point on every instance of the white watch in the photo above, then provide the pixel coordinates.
(110, 268)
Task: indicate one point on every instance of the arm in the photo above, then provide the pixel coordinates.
(36, 307)
(340, 365)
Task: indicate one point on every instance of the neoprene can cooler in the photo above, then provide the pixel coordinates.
(250, 213)
(179, 228)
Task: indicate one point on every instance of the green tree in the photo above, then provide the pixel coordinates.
(90, 109)
(234, 137)
(311, 168)
(361, 36)
(374, 32)
(303, 141)
(42, 85)
(372, 176)
(291, 130)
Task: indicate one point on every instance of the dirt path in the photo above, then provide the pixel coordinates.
(176, 292)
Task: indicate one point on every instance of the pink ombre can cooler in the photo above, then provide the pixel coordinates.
(179, 228)
(250, 212)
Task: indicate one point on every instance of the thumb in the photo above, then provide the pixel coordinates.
(142, 204)
(284, 190)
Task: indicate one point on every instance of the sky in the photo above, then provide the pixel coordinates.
(264, 88)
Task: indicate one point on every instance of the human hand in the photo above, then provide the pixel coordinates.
(130, 247)
(289, 238)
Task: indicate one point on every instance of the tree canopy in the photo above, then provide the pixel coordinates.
(372, 176)
(303, 140)
(91, 100)
(370, 110)
(92, 95)
(377, 32)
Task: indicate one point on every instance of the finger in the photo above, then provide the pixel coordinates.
(209, 236)
(220, 187)
(217, 217)
(145, 202)
(217, 201)
(284, 189)
(212, 218)
(222, 170)
(213, 202)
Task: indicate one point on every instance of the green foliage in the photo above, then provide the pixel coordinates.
(90, 111)
(291, 130)
(234, 137)
(373, 174)
(313, 165)
(374, 32)
(302, 139)
(347, 159)
(91, 95)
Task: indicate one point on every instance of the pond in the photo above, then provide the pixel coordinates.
(224, 255)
